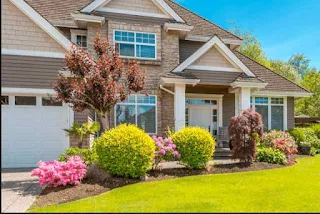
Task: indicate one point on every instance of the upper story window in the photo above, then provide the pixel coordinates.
(135, 44)
(79, 37)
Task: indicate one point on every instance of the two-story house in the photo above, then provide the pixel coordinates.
(195, 75)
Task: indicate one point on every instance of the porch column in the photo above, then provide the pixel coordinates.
(179, 106)
(244, 98)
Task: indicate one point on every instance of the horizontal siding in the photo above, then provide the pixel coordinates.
(215, 77)
(29, 71)
(187, 48)
(228, 100)
(290, 112)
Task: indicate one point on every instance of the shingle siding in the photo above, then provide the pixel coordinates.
(290, 112)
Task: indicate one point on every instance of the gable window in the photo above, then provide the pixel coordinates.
(140, 110)
(79, 37)
(272, 111)
(135, 44)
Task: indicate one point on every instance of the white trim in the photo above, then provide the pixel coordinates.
(179, 106)
(177, 26)
(282, 94)
(165, 80)
(93, 5)
(32, 53)
(207, 38)
(96, 5)
(248, 84)
(214, 41)
(88, 18)
(43, 23)
(75, 33)
(17, 91)
(130, 12)
(212, 68)
(167, 90)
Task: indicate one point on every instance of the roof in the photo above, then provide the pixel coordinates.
(180, 75)
(244, 78)
(275, 81)
(201, 26)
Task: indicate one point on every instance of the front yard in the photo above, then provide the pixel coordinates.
(289, 189)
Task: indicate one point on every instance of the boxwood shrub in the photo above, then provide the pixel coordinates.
(270, 155)
(125, 151)
(195, 145)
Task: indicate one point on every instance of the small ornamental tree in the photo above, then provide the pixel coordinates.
(245, 130)
(97, 83)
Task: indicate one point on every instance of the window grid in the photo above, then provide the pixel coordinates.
(81, 41)
(138, 40)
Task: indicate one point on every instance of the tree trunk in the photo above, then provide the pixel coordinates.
(105, 122)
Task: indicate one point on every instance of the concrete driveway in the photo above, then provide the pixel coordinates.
(18, 190)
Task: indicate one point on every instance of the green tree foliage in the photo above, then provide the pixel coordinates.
(310, 106)
(300, 63)
(285, 69)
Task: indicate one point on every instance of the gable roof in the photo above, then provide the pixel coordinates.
(201, 26)
(275, 81)
(214, 41)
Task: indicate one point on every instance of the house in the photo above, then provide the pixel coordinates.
(195, 75)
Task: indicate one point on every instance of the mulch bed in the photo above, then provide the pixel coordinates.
(98, 181)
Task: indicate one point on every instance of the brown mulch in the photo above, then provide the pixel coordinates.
(98, 181)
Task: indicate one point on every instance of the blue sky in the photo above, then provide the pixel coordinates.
(283, 27)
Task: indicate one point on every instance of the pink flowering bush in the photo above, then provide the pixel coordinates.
(55, 173)
(166, 150)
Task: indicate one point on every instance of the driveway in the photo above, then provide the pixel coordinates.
(18, 190)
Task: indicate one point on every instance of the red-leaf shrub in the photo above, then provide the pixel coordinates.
(55, 173)
(245, 130)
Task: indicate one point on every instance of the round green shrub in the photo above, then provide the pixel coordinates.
(87, 155)
(298, 135)
(125, 151)
(195, 145)
(270, 155)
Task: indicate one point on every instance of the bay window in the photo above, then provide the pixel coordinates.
(135, 44)
(272, 111)
(140, 110)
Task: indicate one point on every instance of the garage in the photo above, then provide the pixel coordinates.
(32, 129)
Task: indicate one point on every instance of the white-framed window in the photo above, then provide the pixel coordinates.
(79, 37)
(140, 110)
(139, 45)
(273, 111)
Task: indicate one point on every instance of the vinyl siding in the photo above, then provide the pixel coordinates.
(290, 112)
(215, 77)
(29, 71)
(228, 100)
(134, 5)
(187, 48)
(213, 58)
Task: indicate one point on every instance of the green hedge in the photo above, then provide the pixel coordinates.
(195, 145)
(270, 155)
(125, 151)
(87, 155)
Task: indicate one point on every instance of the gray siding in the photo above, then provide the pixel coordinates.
(228, 103)
(29, 71)
(290, 112)
(187, 48)
(215, 77)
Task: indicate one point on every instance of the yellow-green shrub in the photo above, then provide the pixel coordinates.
(125, 151)
(195, 145)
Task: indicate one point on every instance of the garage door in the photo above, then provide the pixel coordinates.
(32, 130)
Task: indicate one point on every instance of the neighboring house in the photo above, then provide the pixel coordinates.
(195, 75)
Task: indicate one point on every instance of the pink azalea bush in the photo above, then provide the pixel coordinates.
(166, 150)
(55, 173)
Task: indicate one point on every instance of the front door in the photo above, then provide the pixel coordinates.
(200, 116)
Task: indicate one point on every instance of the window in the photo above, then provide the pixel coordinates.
(135, 44)
(271, 110)
(25, 100)
(139, 110)
(4, 100)
(47, 101)
(79, 37)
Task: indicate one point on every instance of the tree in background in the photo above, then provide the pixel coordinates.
(300, 63)
(97, 83)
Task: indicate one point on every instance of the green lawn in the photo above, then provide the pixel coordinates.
(290, 189)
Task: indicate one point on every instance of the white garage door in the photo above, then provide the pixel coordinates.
(32, 130)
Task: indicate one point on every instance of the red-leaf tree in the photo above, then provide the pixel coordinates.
(245, 130)
(97, 83)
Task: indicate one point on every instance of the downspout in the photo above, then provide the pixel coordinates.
(167, 90)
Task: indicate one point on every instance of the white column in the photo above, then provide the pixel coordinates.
(179, 106)
(244, 98)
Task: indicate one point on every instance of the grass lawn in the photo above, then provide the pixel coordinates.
(291, 189)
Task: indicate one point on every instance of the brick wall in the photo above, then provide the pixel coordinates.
(19, 32)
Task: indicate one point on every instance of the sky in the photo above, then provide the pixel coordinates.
(283, 27)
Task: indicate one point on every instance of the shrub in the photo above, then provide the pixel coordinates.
(87, 155)
(298, 135)
(245, 131)
(304, 144)
(125, 151)
(311, 137)
(55, 173)
(316, 129)
(195, 145)
(166, 150)
(271, 155)
(280, 140)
